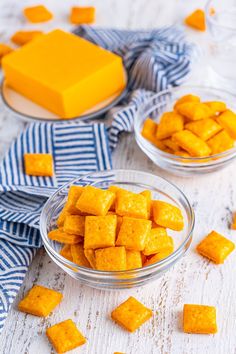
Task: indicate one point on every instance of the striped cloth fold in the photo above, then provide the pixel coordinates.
(154, 60)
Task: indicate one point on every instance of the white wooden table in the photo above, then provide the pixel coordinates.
(192, 280)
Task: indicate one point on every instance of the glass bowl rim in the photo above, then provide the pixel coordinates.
(155, 149)
(211, 19)
(61, 259)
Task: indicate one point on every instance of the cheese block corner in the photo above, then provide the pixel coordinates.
(64, 73)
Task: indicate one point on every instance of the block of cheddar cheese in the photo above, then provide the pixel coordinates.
(64, 73)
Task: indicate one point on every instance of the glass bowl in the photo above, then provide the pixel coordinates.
(135, 181)
(221, 43)
(183, 166)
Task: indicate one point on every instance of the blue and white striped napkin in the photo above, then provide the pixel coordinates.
(154, 60)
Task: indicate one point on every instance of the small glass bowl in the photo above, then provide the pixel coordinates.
(135, 181)
(183, 166)
(221, 48)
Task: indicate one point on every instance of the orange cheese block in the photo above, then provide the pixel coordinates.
(64, 73)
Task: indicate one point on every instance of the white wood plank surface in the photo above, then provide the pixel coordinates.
(192, 280)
